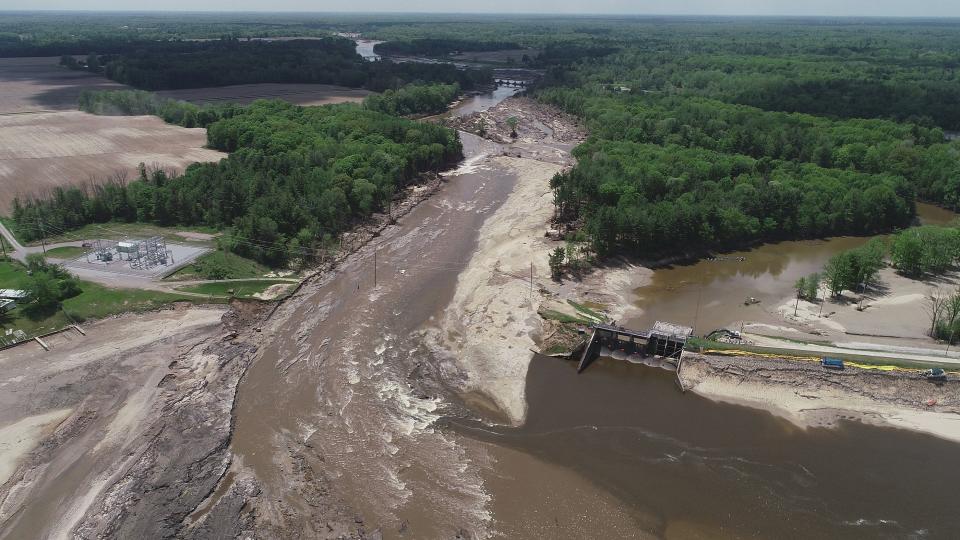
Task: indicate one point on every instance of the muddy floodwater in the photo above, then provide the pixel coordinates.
(351, 387)
(687, 467)
(712, 294)
(484, 101)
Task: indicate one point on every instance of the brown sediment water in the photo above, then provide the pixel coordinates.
(713, 293)
(365, 49)
(346, 379)
(484, 101)
(683, 466)
(347, 384)
(929, 214)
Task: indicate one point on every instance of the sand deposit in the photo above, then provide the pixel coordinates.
(493, 315)
(807, 395)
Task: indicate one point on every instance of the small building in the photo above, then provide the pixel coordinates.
(7, 304)
(128, 246)
(14, 294)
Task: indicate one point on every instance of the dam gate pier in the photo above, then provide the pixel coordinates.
(665, 340)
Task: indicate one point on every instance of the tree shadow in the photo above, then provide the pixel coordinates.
(59, 87)
(36, 312)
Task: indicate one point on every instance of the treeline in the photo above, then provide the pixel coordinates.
(875, 83)
(929, 250)
(854, 269)
(139, 102)
(168, 65)
(296, 178)
(440, 46)
(919, 153)
(916, 252)
(925, 250)
(657, 200)
(414, 99)
(80, 33)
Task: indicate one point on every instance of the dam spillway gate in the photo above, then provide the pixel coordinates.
(666, 340)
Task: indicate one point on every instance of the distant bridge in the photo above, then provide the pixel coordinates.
(517, 83)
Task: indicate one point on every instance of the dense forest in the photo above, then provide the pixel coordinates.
(921, 154)
(80, 33)
(414, 99)
(440, 46)
(654, 200)
(230, 61)
(295, 178)
(757, 132)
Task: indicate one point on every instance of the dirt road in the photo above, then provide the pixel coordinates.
(807, 395)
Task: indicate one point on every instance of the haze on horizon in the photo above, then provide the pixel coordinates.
(845, 8)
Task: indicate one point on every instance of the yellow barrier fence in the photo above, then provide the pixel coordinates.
(876, 367)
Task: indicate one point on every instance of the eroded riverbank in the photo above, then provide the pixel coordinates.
(142, 417)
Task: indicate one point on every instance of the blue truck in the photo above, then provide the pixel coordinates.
(831, 363)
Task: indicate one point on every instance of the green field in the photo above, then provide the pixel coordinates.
(66, 252)
(220, 265)
(235, 289)
(117, 231)
(94, 302)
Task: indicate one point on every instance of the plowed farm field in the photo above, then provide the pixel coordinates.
(45, 142)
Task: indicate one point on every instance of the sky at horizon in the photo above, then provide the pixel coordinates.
(861, 8)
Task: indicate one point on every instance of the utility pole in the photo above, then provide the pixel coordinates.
(42, 234)
(696, 314)
(531, 281)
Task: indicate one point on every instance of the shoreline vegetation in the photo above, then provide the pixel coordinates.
(332, 60)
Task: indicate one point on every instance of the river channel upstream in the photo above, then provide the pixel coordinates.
(351, 387)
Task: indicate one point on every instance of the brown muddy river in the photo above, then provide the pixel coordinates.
(687, 467)
(712, 294)
(350, 385)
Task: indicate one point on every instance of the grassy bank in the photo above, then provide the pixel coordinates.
(66, 252)
(237, 289)
(220, 265)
